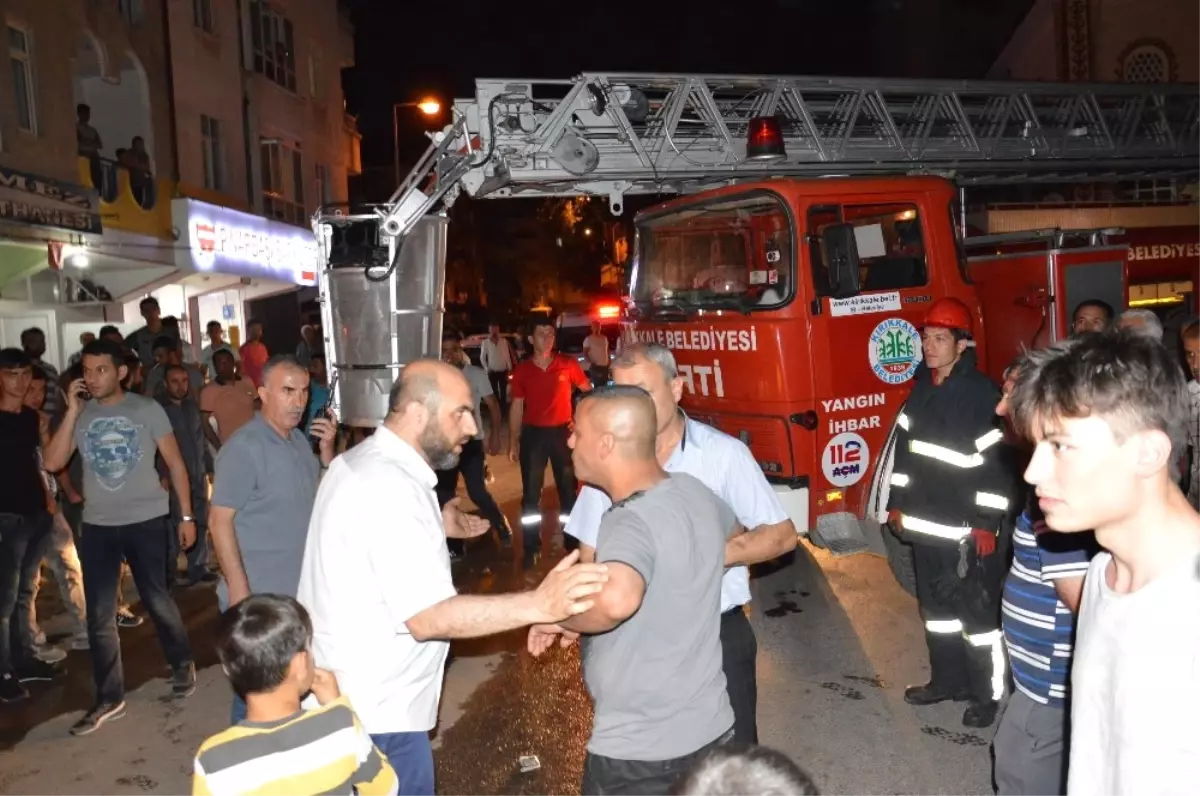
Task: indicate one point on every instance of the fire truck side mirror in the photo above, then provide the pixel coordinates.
(841, 260)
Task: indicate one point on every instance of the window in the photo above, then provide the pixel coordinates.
(733, 253)
(20, 58)
(202, 15)
(131, 10)
(213, 153)
(1147, 63)
(274, 53)
(891, 249)
(283, 183)
(324, 189)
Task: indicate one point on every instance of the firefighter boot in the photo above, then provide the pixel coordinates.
(980, 714)
(948, 678)
(985, 664)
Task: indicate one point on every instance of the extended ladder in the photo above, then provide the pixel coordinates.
(613, 134)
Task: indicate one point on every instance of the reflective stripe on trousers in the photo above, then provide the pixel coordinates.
(993, 639)
(918, 525)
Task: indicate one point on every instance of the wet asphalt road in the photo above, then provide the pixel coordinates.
(838, 641)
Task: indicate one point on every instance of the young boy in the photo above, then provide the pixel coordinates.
(1106, 412)
(264, 645)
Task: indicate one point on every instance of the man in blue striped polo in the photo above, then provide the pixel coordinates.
(1041, 598)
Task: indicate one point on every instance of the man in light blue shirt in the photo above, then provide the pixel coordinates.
(727, 467)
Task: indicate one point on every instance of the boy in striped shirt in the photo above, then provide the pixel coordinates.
(1041, 598)
(264, 646)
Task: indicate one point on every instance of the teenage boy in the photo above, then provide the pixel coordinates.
(1106, 412)
(264, 644)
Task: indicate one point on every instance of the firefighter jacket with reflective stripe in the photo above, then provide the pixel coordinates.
(949, 474)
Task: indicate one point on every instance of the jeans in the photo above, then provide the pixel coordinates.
(411, 757)
(144, 546)
(21, 540)
(58, 550)
(607, 775)
(538, 445)
(237, 713)
(739, 649)
(499, 381)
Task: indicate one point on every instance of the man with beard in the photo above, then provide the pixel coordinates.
(376, 577)
(118, 434)
(263, 491)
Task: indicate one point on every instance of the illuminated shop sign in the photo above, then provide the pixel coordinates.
(225, 241)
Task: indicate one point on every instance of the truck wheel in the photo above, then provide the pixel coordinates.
(900, 559)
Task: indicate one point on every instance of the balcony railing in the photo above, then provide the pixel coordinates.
(105, 175)
(129, 200)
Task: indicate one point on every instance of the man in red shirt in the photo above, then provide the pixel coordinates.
(539, 424)
(254, 353)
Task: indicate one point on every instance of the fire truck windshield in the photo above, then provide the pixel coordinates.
(729, 253)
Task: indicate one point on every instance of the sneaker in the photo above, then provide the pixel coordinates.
(92, 720)
(49, 653)
(11, 689)
(79, 642)
(38, 671)
(183, 680)
(127, 618)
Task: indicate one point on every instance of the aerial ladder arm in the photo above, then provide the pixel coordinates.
(616, 134)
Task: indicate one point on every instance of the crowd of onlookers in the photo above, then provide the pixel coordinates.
(205, 396)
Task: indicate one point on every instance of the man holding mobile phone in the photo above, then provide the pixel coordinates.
(117, 434)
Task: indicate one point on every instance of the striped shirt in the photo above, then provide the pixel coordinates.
(1038, 628)
(324, 750)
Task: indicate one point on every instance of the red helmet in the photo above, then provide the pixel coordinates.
(949, 313)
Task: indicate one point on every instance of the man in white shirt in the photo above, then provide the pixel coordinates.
(496, 357)
(595, 348)
(376, 572)
(727, 467)
(1107, 412)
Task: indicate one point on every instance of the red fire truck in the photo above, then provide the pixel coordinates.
(817, 220)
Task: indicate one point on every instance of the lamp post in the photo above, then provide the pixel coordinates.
(428, 107)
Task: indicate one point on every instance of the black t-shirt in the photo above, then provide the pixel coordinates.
(21, 487)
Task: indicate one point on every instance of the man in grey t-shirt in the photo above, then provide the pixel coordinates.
(652, 661)
(117, 434)
(264, 486)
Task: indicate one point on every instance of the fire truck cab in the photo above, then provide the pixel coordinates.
(793, 309)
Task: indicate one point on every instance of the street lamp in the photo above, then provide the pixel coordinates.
(428, 106)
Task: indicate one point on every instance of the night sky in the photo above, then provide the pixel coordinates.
(406, 49)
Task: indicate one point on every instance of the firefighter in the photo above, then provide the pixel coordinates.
(949, 499)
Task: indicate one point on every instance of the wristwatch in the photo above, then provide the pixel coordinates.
(187, 518)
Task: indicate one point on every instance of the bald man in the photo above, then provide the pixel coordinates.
(653, 662)
(376, 573)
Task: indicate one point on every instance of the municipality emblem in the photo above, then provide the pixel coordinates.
(895, 350)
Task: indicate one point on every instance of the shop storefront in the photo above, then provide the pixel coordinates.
(41, 217)
(227, 258)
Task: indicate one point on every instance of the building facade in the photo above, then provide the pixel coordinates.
(1115, 41)
(215, 129)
